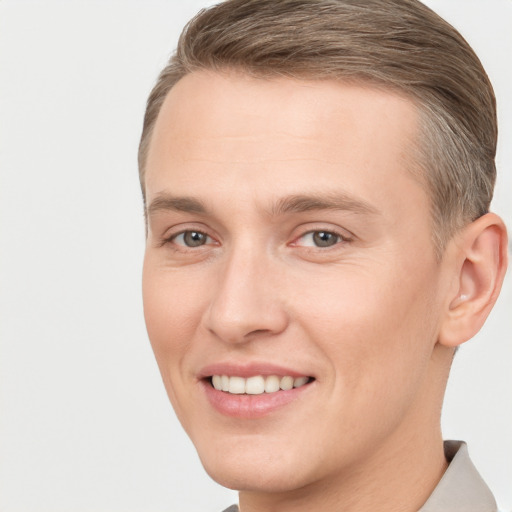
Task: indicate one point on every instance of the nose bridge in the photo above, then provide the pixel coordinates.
(246, 301)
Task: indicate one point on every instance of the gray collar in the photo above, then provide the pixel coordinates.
(461, 489)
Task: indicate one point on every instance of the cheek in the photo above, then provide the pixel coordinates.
(172, 316)
(374, 332)
(171, 311)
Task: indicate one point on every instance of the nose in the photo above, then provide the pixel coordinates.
(246, 303)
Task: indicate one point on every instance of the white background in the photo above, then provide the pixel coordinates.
(84, 420)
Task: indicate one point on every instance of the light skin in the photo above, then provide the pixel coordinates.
(285, 227)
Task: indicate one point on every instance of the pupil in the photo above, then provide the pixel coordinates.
(324, 238)
(194, 238)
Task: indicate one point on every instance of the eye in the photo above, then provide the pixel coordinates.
(191, 238)
(320, 239)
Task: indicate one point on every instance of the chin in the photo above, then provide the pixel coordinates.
(255, 470)
(256, 479)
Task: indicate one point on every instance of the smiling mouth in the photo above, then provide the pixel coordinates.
(256, 385)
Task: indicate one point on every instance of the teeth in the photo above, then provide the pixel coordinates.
(224, 383)
(272, 384)
(236, 385)
(217, 381)
(256, 385)
(300, 381)
(286, 383)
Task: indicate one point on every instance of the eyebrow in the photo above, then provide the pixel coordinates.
(290, 204)
(333, 201)
(177, 204)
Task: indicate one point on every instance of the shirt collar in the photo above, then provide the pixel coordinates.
(461, 489)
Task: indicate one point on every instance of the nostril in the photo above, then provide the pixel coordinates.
(256, 332)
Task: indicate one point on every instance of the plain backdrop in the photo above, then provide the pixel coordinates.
(84, 419)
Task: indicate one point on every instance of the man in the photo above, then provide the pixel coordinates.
(317, 177)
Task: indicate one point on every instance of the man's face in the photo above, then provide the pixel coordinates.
(288, 238)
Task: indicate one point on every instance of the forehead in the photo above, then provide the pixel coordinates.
(235, 104)
(264, 134)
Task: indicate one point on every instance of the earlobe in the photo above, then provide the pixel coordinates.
(480, 268)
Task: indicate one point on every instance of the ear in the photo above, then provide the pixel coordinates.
(480, 262)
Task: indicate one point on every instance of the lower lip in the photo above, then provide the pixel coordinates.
(251, 406)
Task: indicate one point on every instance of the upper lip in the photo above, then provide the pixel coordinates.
(248, 370)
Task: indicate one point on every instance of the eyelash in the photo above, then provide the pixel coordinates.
(171, 240)
(340, 239)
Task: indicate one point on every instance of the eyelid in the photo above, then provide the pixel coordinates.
(344, 235)
(176, 235)
(171, 234)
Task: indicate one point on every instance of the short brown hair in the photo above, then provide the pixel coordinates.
(398, 44)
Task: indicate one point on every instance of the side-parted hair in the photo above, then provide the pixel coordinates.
(400, 45)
